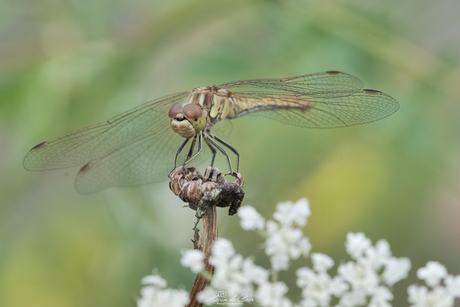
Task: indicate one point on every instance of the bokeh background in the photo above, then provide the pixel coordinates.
(68, 64)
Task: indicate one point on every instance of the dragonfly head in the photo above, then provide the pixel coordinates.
(187, 120)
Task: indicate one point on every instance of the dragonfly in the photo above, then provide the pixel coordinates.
(143, 144)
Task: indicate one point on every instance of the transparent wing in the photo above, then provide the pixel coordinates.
(321, 100)
(321, 85)
(359, 108)
(97, 141)
(135, 147)
(147, 158)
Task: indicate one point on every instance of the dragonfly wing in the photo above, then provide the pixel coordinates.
(326, 112)
(97, 141)
(322, 100)
(148, 158)
(324, 84)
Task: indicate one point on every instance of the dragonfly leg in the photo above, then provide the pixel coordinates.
(190, 155)
(231, 148)
(213, 150)
(190, 150)
(179, 151)
(211, 143)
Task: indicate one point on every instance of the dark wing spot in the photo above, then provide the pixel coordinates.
(371, 92)
(85, 168)
(39, 146)
(334, 72)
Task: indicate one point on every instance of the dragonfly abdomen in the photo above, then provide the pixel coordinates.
(245, 106)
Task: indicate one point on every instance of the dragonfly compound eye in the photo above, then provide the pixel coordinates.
(192, 112)
(174, 110)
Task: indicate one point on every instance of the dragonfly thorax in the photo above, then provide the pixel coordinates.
(216, 101)
(205, 106)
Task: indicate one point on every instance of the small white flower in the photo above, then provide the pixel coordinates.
(272, 227)
(228, 276)
(235, 262)
(290, 214)
(283, 244)
(432, 273)
(304, 276)
(379, 254)
(321, 262)
(154, 280)
(285, 214)
(272, 295)
(314, 286)
(222, 250)
(250, 218)
(236, 275)
(338, 286)
(419, 296)
(307, 302)
(256, 274)
(206, 296)
(302, 212)
(156, 294)
(353, 298)
(151, 297)
(453, 285)
(319, 287)
(381, 297)
(279, 262)
(357, 244)
(295, 243)
(193, 259)
(304, 246)
(396, 269)
(220, 278)
(275, 244)
(361, 276)
(439, 297)
(234, 283)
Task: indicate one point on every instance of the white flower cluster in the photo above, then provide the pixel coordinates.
(284, 241)
(155, 294)
(365, 280)
(240, 279)
(362, 281)
(438, 296)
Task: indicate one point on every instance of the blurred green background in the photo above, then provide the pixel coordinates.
(68, 64)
